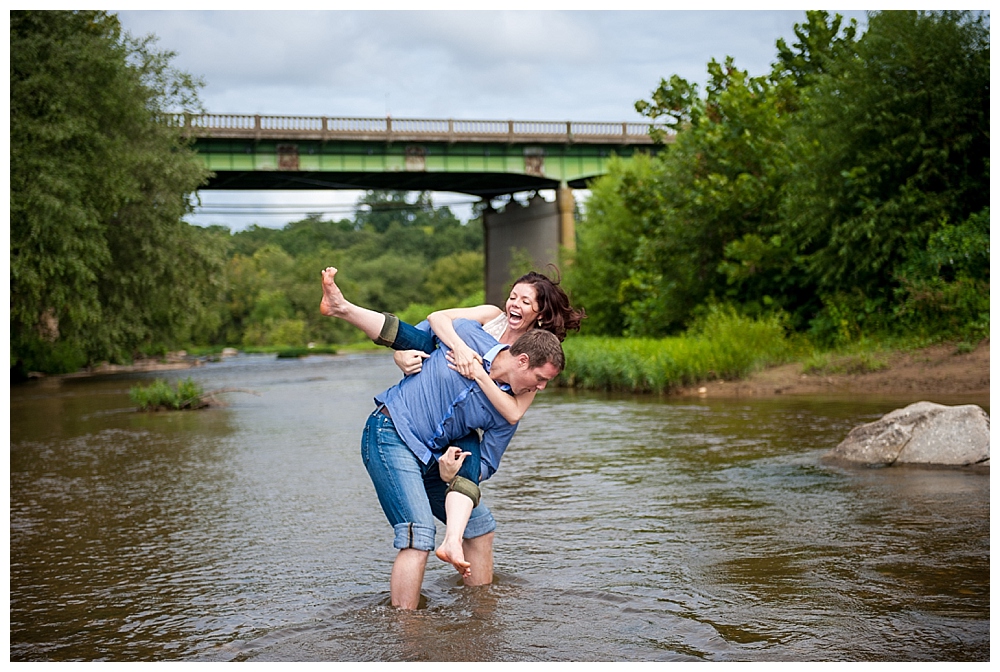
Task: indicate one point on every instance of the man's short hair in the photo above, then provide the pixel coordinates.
(542, 347)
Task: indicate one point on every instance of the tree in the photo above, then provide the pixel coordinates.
(720, 181)
(101, 262)
(893, 143)
(820, 44)
(609, 232)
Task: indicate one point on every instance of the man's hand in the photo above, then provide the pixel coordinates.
(450, 462)
(409, 361)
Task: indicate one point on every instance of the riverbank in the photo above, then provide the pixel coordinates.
(940, 369)
(943, 369)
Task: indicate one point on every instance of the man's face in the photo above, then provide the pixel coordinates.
(525, 379)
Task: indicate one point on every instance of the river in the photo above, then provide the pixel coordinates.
(631, 528)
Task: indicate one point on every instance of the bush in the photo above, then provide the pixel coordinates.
(722, 345)
(159, 395)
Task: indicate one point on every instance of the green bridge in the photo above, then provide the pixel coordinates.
(478, 157)
(483, 158)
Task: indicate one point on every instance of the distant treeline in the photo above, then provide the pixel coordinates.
(847, 189)
(392, 254)
(841, 195)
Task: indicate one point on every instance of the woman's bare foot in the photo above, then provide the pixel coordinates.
(455, 556)
(333, 304)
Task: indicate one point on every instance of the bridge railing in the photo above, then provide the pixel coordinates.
(257, 126)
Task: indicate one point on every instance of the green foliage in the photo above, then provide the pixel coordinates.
(398, 251)
(828, 363)
(418, 312)
(821, 44)
(893, 142)
(964, 348)
(607, 234)
(719, 182)
(848, 189)
(160, 395)
(102, 266)
(847, 317)
(721, 345)
(455, 277)
(37, 354)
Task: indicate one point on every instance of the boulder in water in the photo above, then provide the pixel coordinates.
(921, 433)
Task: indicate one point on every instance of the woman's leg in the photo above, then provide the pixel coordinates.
(383, 328)
(334, 304)
(460, 498)
(400, 335)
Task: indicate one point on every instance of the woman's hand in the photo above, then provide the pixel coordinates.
(409, 361)
(466, 361)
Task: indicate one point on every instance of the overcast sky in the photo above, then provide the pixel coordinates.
(524, 65)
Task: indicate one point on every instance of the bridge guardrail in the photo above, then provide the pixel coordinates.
(257, 126)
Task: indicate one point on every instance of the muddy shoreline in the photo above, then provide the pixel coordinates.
(941, 370)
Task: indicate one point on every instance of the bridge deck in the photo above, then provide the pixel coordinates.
(480, 157)
(387, 129)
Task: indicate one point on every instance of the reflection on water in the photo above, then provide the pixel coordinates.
(631, 528)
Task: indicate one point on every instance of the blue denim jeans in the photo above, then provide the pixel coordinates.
(409, 337)
(411, 493)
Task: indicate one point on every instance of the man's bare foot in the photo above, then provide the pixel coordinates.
(333, 304)
(454, 555)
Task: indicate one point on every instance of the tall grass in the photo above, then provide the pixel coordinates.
(723, 345)
(187, 394)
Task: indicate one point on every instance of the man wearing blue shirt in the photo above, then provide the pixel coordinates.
(414, 426)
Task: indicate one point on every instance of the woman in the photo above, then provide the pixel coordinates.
(535, 301)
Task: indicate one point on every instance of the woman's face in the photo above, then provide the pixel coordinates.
(522, 307)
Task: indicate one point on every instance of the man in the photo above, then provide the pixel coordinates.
(406, 448)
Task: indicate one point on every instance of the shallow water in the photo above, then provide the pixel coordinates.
(630, 528)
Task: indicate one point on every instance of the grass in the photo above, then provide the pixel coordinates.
(723, 346)
(826, 363)
(964, 348)
(160, 395)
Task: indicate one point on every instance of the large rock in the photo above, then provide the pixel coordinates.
(921, 433)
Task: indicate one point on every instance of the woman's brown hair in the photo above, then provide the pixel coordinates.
(555, 313)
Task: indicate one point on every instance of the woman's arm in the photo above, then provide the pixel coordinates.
(465, 359)
(511, 408)
(412, 349)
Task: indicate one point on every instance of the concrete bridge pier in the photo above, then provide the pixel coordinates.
(532, 233)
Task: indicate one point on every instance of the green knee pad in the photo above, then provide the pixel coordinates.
(467, 488)
(389, 328)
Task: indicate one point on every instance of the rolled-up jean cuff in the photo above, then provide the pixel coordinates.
(480, 525)
(389, 328)
(464, 486)
(414, 535)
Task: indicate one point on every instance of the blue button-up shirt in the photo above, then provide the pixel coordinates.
(438, 406)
